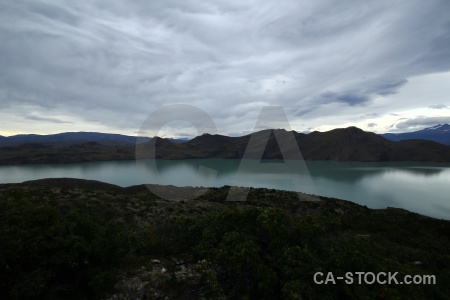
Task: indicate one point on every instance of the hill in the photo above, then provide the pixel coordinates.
(344, 144)
(78, 239)
(71, 138)
(439, 133)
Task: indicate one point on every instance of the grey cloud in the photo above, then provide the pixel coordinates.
(436, 58)
(420, 122)
(360, 95)
(438, 106)
(370, 125)
(46, 119)
(388, 87)
(299, 112)
(114, 63)
(348, 98)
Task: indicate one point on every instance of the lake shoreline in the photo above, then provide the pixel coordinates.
(374, 184)
(276, 160)
(94, 185)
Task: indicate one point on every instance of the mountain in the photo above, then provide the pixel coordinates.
(178, 141)
(71, 138)
(36, 153)
(439, 133)
(343, 144)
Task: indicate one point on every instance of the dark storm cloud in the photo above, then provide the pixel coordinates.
(115, 62)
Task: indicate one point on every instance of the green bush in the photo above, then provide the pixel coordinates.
(254, 253)
(46, 254)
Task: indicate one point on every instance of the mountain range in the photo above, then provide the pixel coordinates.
(343, 144)
(70, 138)
(74, 138)
(439, 133)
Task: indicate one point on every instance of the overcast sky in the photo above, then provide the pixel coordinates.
(100, 65)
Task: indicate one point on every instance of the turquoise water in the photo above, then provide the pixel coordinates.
(418, 187)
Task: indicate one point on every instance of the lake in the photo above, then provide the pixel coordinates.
(418, 187)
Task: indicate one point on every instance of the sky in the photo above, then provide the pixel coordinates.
(105, 66)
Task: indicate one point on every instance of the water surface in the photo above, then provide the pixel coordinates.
(418, 187)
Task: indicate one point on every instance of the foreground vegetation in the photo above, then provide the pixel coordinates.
(75, 239)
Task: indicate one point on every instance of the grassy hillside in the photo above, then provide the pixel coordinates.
(70, 238)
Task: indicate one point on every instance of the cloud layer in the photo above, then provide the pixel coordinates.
(421, 121)
(112, 63)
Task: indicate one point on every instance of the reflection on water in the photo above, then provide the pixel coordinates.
(419, 187)
(356, 171)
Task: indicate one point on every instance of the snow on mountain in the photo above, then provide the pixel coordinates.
(439, 133)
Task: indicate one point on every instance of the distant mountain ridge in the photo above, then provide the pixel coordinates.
(439, 133)
(343, 144)
(70, 138)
